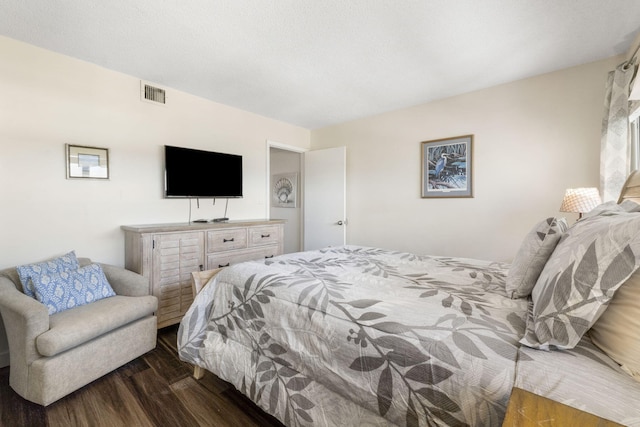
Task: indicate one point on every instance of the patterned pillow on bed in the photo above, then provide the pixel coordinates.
(592, 260)
(533, 254)
(613, 207)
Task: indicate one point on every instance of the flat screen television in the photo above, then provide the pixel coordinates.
(191, 173)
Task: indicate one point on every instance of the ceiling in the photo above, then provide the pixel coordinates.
(315, 63)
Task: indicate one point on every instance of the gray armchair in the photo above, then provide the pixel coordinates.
(52, 356)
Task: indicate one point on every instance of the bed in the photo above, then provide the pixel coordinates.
(365, 336)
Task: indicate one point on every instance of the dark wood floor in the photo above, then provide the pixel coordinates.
(156, 389)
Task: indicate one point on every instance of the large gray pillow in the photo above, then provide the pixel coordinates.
(591, 261)
(612, 207)
(535, 250)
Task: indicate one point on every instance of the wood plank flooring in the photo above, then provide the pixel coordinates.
(156, 389)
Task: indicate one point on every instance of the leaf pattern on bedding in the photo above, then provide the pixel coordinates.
(274, 377)
(330, 320)
(591, 261)
(555, 319)
(397, 358)
(282, 383)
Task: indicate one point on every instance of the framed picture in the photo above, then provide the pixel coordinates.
(284, 190)
(447, 167)
(87, 162)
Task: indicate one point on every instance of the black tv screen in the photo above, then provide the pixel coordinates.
(198, 173)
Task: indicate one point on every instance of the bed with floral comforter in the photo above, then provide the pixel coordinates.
(361, 336)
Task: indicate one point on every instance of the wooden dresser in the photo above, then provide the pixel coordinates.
(168, 253)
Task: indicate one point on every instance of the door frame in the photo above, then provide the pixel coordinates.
(274, 144)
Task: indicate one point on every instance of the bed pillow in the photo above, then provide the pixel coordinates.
(617, 331)
(28, 272)
(592, 260)
(532, 256)
(61, 291)
(612, 207)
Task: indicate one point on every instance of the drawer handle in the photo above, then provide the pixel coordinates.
(226, 265)
(268, 256)
(227, 240)
(265, 235)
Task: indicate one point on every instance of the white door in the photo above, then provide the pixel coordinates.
(325, 198)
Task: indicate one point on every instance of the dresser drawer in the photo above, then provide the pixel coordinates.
(220, 260)
(259, 236)
(226, 240)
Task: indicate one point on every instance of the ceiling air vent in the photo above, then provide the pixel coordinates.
(152, 94)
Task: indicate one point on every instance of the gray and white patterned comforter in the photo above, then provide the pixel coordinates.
(361, 336)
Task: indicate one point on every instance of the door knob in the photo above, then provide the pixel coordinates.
(340, 223)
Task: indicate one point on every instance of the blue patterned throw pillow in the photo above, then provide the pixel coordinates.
(30, 272)
(61, 291)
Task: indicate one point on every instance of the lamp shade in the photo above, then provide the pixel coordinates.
(580, 200)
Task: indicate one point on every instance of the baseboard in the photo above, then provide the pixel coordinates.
(4, 359)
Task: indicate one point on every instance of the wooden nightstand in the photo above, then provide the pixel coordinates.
(529, 409)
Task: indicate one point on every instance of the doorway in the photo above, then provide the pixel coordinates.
(287, 163)
(318, 218)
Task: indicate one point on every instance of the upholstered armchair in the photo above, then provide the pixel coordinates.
(54, 355)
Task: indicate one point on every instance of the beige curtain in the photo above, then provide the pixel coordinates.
(614, 145)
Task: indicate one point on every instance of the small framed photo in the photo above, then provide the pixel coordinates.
(284, 190)
(87, 162)
(447, 167)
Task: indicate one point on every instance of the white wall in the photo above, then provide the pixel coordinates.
(532, 139)
(48, 100)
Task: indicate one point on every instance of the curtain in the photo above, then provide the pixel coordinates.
(614, 145)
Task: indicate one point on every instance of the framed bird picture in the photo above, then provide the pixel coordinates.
(447, 167)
